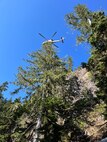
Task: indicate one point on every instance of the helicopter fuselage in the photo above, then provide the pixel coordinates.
(50, 41)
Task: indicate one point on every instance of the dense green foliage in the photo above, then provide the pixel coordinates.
(55, 109)
(96, 35)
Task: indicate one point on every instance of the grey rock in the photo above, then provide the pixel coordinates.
(104, 140)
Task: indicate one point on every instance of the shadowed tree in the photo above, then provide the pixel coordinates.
(93, 29)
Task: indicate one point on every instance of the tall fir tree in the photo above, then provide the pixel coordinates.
(93, 29)
(44, 82)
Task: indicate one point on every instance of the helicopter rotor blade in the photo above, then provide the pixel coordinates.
(42, 36)
(54, 34)
(55, 45)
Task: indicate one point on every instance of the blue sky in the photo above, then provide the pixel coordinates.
(22, 20)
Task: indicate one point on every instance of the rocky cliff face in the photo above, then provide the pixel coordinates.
(94, 123)
(86, 82)
(91, 120)
(81, 84)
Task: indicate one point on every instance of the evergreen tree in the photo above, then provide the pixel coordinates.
(45, 84)
(93, 29)
(4, 120)
(95, 33)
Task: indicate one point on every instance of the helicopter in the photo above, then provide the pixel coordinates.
(51, 41)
